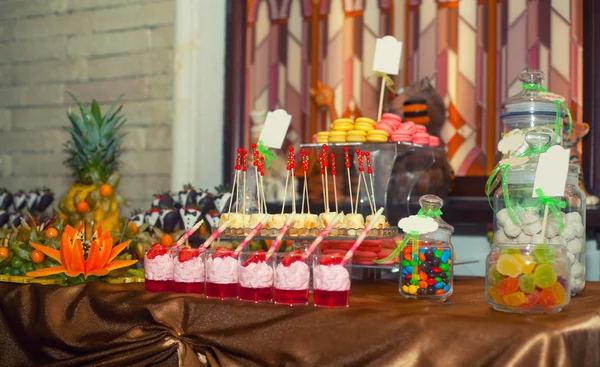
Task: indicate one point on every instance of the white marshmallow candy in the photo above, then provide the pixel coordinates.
(573, 217)
(577, 270)
(577, 284)
(502, 217)
(569, 232)
(533, 228)
(511, 229)
(575, 246)
(529, 216)
(500, 237)
(571, 258)
(551, 228)
(558, 240)
(524, 238)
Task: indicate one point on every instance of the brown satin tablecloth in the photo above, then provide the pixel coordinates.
(121, 325)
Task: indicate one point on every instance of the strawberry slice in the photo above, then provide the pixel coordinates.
(260, 255)
(156, 251)
(331, 259)
(222, 252)
(187, 254)
(292, 258)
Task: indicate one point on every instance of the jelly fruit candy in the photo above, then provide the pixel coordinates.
(509, 266)
(544, 254)
(508, 286)
(527, 283)
(526, 262)
(494, 276)
(494, 296)
(532, 299)
(544, 276)
(509, 251)
(552, 296)
(515, 299)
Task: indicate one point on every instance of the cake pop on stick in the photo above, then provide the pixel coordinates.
(370, 173)
(334, 183)
(235, 180)
(286, 226)
(244, 169)
(255, 164)
(362, 172)
(251, 235)
(347, 164)
(360, 169)
(287, 179)
(292, 165)
(361, 238)
(326, 165)
(322, 171)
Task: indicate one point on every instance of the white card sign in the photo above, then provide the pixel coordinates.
(275, 128)
(552, 170)
(388, 52)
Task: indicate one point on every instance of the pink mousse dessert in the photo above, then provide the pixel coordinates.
(188, 271)
(158, 269)
(256, 277)
(292, 274)
(221, 274)
(331, 281)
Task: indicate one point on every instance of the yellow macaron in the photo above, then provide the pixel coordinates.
(337, 134)
(357, 133)
(365, 119)
(343, 121)
(378, 132)
(365, 126)
(377, 139)
(323, 133)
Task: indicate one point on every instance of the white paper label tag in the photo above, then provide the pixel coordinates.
(388, 52)
(418, 224)
(511, 142)
(552, 170)
(275, 128)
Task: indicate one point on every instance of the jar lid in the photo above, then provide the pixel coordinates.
(432, 203)
(529, 100)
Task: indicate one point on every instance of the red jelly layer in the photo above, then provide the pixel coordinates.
(256, 294)
(291, 297)
(221, 291)
(158, 285)
(331, 299)
(181, 287)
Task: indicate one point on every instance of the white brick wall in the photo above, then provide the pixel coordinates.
(93, 49)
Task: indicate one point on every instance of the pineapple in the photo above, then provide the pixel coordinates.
(94, 149)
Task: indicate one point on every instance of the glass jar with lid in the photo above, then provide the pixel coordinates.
(532, 108)
(527, 278)
(426, 263)
(523, 219)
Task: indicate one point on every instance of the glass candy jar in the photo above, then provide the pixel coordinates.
(526, 278)
(532, 108)
(523, 221)
(427, 259)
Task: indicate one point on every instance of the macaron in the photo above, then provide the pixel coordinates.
(323, 134)
(409, 127)
(384, 253)
(364, 255)
(377, 136)
(391, 122)
(356, 139)
(434, 141)
(357, 133)
(337, 140)
(334, 251)
(322, 140)
(389, 244)
(401, 137)
(344, 245)
(420, 128)
(343, 121)
(365, 119)
(391, 116)
(385, 126)
(342, 127)
(421, 139)
(363, 126)
(423, 120)
(337, 134)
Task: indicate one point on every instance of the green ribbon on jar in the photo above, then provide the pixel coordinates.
(501, 173)
(553, 205)
(269, 156)
(414, 237)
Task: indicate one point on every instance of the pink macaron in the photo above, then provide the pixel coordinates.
(385, 127)
(408, 127)
(434, 141)
(421, 128)
(391, 116)
(391, 122)
(401, 137)
(421, 139)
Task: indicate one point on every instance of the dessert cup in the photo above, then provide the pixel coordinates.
(291, 278)
(221, 274)
(256, 277)
(188, 271)
(158, 269)
(331, 281)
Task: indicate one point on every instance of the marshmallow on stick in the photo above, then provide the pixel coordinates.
(362, 237)
(322, 235)
(279, 238)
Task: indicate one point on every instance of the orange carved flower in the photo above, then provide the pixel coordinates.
(77, 256)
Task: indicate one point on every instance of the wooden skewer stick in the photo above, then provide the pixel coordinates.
(287, 178)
